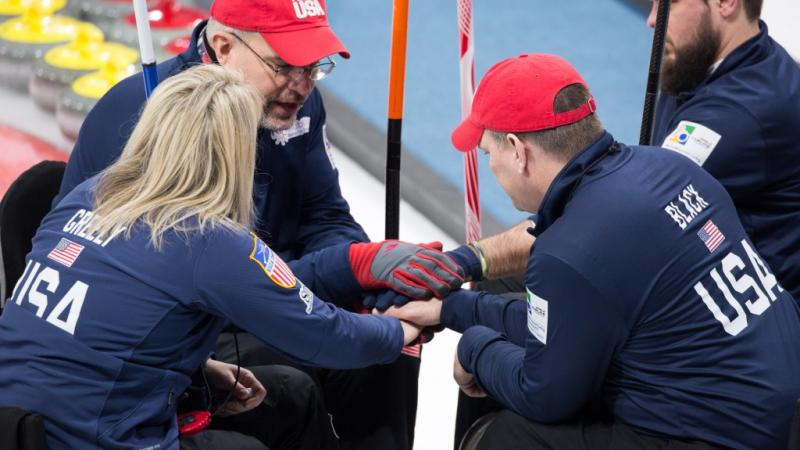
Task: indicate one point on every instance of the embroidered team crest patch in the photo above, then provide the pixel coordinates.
(272, 264)
(299, 128)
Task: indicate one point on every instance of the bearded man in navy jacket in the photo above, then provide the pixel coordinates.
(730, 101)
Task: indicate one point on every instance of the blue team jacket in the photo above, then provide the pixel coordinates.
(742, 124)
(101, 336)
(298, 201)
(643, 287)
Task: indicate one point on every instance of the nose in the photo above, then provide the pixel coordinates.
(302, 85)
(651, 18)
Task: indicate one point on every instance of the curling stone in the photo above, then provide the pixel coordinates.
(13, 8)
(168, 20)
(76, 103)
(25, 39)
(61, 66)
(101, 12)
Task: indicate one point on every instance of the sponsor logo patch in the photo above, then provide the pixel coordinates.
(65, 252)
(307, 297)
(537, 316)
(692, 140)
(328, 146)
(299, 128)
(272, 264)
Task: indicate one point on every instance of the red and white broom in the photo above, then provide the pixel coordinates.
(472, 206)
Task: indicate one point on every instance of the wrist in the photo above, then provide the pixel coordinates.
(468, 258)
(360, 255)
(475, 246)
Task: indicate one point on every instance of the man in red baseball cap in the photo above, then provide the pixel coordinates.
(644, 301)
(282, 47)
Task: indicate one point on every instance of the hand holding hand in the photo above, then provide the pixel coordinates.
(410, 332)
(422, 313)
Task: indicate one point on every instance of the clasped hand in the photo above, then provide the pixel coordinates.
(247, 393)
(417, 316)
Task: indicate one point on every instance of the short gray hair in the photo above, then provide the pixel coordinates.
(214, 26)
(567, 140)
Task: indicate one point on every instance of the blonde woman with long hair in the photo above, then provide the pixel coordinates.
(134, 274)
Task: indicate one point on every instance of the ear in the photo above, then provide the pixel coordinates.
(521, 152)
(222, 43)
(728, 9)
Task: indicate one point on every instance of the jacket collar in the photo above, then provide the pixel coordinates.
(568, 179)
(194, 53)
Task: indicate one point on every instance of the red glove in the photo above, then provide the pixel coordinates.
(417, 271)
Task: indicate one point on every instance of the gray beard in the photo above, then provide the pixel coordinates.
(277, 125)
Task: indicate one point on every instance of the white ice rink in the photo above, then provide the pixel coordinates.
(436, 411)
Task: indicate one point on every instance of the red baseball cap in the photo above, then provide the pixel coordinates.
(518, 95)
(297, 30)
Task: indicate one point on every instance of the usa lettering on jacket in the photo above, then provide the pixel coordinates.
(688, 205)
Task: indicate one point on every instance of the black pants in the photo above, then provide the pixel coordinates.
(221, 440)
(292, 417)
(510, 431)
(371, 408)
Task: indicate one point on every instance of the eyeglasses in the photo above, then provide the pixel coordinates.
(314, 72)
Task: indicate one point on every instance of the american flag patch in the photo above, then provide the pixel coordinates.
(711, 236)
(66, 252)
(272, 264)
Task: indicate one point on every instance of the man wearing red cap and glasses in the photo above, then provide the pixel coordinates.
(645, 301)
(283, 48)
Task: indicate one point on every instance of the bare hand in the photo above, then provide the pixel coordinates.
(466, 381)
(425, 313)
(247, 394)
(410, 332)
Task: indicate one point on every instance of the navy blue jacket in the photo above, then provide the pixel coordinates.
(101, 336)
(298, 201)
(744, 130)
(644, 288)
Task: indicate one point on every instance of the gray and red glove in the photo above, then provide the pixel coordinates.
(417, 271)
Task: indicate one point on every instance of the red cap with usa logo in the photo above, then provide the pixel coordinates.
(297, 30)
(518, 95)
